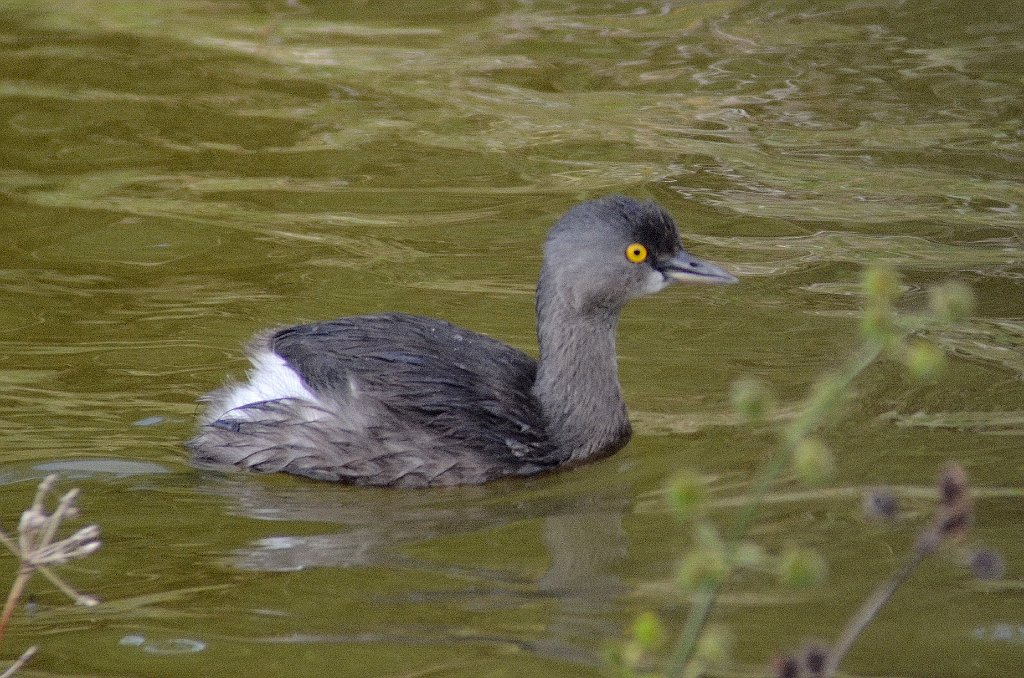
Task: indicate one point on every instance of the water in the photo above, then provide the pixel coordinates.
(175, 175)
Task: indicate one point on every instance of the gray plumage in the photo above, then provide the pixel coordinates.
(400, 400)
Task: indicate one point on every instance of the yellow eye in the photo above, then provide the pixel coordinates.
(636, 253)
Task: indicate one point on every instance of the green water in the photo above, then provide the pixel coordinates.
(176, 174)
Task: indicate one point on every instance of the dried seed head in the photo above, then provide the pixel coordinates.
(44, 488)
(70, 497)
(815, 660)
(956, 512)
(46, 556)
(87, 533)
(952, 484)
(31, 521)
(785, 666)
(955, 524)
(85, 550)
(987, 565)
(881, 504)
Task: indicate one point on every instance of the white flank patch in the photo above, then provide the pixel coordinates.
(270, 379)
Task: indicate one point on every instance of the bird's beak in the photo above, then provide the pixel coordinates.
(685, 267)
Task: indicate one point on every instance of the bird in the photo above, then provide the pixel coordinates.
(397, 400)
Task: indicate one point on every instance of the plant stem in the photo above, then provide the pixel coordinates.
(19, 662)
(17, 588)
(814, 411)
(54, 520)
(869, 610)
(80, 599)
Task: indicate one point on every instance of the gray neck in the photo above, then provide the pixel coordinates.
(577, 381)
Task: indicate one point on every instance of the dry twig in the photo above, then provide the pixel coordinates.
(37, 549)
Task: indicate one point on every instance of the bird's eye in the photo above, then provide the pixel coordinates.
(636, 253)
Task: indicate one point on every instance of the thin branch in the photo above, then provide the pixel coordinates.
(952, 519)
(36, 547)
(19, 662)
(809, 418)
(65, 588)
(20, 582)
(869, 610)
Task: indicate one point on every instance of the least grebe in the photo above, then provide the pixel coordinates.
(400, 400)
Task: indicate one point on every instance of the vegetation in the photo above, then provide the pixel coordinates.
(39, 550)
(718, 554)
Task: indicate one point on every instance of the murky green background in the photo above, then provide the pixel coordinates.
(176, 174)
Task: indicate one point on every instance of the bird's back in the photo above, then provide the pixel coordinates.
(386, 399)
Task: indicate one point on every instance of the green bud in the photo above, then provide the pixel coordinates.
(748, 554)
(924, 360)
(826, 395)
(878, 323)
(631, 654)
(881, 284)
(648, 631)
(813, 461)
(752, 399)
(715, 645)
(952, 302)
(695, 668)
(881, 287)
(707, 536)
(687, 495)
(800, 568)
(702, 567)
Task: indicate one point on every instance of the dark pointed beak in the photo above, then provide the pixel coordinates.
(685, 267)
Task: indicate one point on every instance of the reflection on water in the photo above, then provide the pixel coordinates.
(582, 540)
(175, 175)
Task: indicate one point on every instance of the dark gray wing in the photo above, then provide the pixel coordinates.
(470, 393)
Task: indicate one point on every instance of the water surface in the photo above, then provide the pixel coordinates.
(175, 175)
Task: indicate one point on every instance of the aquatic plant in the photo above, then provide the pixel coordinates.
(951, 521)
(38, 550)
(717, 555)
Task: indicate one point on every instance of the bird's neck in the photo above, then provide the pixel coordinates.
(577, 381)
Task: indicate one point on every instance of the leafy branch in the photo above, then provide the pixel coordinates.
(707, 568)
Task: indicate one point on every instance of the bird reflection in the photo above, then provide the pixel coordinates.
(582, 539)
